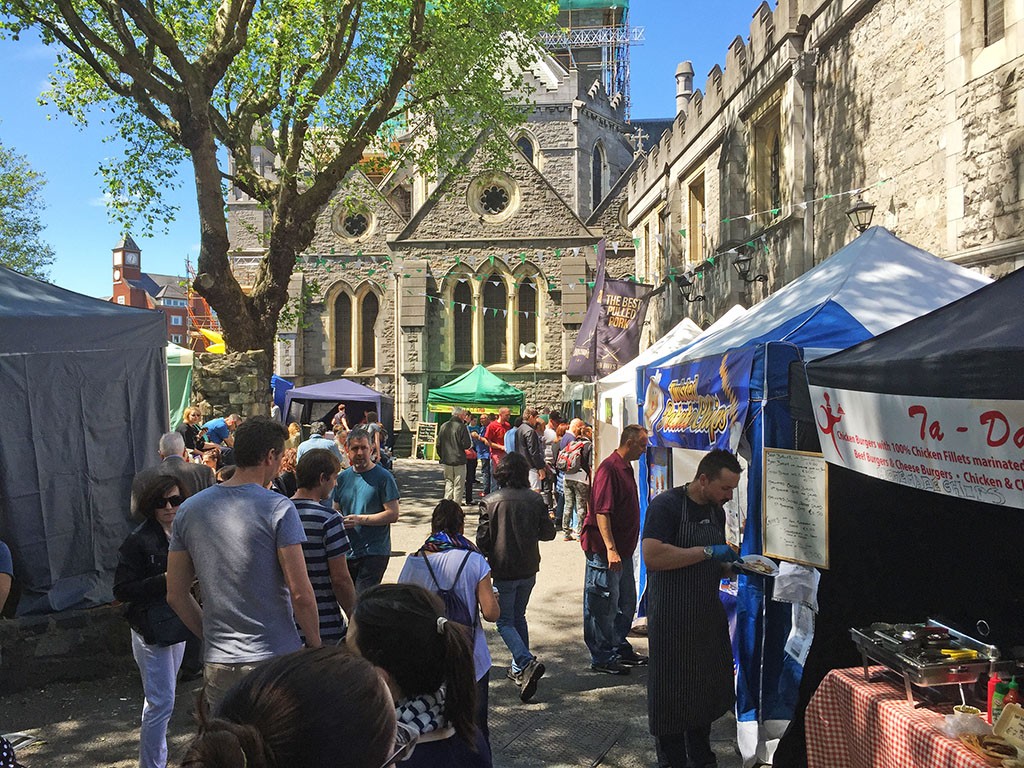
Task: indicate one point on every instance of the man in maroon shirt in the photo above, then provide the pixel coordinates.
(495, 437)
(611, 531)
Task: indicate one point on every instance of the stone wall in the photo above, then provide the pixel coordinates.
(63, 647)
(231, 383)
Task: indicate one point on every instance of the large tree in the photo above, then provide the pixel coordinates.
(20, 204)
(317, 82)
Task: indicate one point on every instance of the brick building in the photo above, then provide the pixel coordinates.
(185, 311)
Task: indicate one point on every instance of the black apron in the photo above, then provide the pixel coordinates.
(690, 683)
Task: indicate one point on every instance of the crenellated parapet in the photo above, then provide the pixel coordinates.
(770, 49)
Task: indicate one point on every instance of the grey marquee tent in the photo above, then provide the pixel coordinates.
(84, 404)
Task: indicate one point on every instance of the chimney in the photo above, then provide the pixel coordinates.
(684, 86)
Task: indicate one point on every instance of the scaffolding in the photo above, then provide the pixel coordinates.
(596, 34)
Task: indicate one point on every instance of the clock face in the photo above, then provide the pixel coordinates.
(131, 259)
(117, 274)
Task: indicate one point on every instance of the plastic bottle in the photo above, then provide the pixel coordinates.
(1011, 696)
(993, 680)
(997, 700)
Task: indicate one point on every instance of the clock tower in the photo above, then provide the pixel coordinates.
(127, 260)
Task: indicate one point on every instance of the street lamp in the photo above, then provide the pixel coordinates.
(860, 214)
(686, 289)
(742, 265)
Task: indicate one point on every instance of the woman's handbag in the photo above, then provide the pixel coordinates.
(165, 627)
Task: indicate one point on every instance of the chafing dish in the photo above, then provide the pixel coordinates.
(928, 654)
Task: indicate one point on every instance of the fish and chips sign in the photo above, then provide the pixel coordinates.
(971, 449)
(701, 404)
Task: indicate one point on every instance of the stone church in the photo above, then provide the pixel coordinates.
(407, 285)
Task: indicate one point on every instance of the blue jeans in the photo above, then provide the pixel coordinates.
(485, 470)
(367, 571)
(609, 602)
(513, 595)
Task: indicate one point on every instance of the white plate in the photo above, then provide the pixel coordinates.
(746, 562)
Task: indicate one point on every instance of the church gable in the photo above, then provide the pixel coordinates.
(484, 204)
(358, 219)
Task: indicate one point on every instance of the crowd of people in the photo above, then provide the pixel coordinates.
(289, 551)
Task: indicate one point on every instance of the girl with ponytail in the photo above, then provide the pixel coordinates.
(427, 662)
(323, 708)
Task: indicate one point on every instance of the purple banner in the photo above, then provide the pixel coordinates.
(610, 333)
(698, 405)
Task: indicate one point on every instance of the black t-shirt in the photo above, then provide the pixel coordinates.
(666, 509)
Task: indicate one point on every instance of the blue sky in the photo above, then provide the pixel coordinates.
(76, 221)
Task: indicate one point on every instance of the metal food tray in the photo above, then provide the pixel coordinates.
(874, 647)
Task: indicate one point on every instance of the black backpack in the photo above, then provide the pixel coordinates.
(455, 608)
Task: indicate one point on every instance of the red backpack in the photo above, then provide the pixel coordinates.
(570, 458)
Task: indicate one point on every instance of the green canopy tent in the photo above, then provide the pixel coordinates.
(478, 391)
(179, 381)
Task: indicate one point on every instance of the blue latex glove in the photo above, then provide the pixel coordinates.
(723, 553)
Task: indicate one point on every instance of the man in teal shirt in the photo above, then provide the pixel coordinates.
(367, 497)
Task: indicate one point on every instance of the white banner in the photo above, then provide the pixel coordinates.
(972, 449)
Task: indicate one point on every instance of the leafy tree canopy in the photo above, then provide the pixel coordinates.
(21, 248)
(317, 82)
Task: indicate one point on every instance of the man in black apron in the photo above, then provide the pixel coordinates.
(691, 679)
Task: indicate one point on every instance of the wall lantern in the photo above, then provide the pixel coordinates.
(860, 214)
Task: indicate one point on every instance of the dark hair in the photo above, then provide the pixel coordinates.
(555, 416)
(359, 433)
(255, 437)
(715, 461)
(448, 516)
(323, 708)
(371, 417)
(513, 471)
(315, 463)
(631, 432)
(225, 473)
(151, 496)
(397, 629)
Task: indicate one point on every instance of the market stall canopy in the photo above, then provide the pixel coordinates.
(972, 348)
(478, 391)
(85, 402)
(677, 338)
(937, 404)
(875, 283)
(358, 399)
(179, 381)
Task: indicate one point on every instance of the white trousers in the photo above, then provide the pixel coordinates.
(455, 482)
(159, 668)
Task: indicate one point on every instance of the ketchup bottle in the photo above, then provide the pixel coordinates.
(993, 681)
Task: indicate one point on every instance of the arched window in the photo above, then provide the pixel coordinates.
(369, 309)
(462, 323)
(526, 147)
(343, 330)
(527, 315)
(495, 319)
(597, 175)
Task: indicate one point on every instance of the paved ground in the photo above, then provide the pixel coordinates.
(578, 718)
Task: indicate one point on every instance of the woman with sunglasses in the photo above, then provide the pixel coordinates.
(158, 636)
(427, 662)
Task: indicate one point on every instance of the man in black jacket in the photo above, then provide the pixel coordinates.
(513, 521)
(529, 445)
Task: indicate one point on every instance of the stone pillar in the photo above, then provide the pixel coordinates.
(231, 383)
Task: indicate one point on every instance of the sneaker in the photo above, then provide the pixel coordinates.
(568, 537)
(633, 660)
(610, 668)
(529, 677)
(510, 675)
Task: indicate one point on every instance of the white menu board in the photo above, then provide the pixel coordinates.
(795, 504)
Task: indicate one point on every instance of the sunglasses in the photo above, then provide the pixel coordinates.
(405, 742)
(170, 501)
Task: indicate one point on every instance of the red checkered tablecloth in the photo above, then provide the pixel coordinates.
(853, 723)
